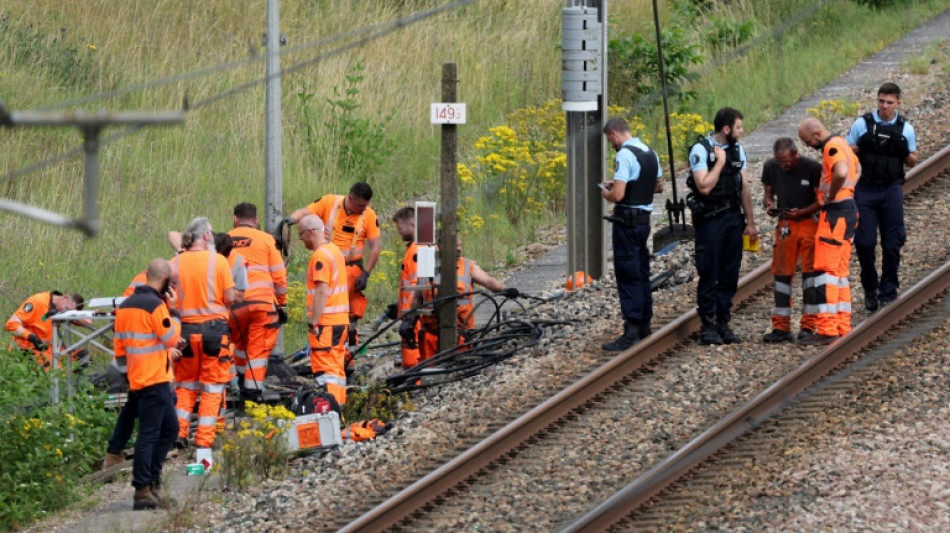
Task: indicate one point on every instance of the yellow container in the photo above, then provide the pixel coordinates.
(749, 246)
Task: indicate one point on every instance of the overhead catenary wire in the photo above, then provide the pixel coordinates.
(387, 28)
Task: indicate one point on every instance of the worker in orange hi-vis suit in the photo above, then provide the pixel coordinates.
(352, 226)
(468, 274)
(147, 331)
(258, 318)
(327, 307)
(205, 290)
(405, 220)
(836, 226)
(33, 330)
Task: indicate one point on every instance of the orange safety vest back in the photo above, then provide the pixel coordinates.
(347, 232)
(205, 277)
(327, 266)
(33, 316)
(466, 302)
(408, 278)
(145, 331)
(266, 273)
(836, 149)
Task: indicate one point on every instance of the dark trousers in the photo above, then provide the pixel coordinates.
(158, 427)
(632, 268)
(124, 425)
(718, 258)
(880, 207)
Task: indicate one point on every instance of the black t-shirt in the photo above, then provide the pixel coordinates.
(794, 189)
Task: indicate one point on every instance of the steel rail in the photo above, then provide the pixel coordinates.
(426, 489)
(764, 405)
(779, 394)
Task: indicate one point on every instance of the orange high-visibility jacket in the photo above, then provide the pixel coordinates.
(33, 317)
(836, 149)
(205, 276)
(347, 232)
(266, 274)
(136, 282)
(408, 278)
(327, 266)
(466, 302)
(145, 331)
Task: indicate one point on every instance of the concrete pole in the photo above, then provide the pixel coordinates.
(448, 194)
(273, 175)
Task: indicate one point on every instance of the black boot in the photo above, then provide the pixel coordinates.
(631, 334)
(709, 331)
(725, 333)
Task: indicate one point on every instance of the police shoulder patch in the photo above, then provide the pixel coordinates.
(832, 151)
(319, 265)
(28, 307)
(695, 158)
(166, 322)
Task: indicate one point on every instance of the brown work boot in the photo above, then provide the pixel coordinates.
(146, 499)
(112, 459)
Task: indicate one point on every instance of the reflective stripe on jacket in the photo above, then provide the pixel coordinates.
(145, 331)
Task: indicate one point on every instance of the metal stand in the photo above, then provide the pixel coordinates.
(67, 337)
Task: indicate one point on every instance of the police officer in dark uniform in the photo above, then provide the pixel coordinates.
(884, 142)
(636, 178)
(721, 203)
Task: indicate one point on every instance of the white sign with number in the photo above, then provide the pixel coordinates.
(448, 113)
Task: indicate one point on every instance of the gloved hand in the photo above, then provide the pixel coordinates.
(37, 342)
(392, 312)
(511, 292)
(281, 314)
(361, 281)
(288, 221)
(407, 330)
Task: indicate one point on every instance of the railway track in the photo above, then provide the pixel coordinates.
(561, 432)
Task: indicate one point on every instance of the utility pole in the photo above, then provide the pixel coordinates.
(583, 84)
(91, 126)
(273, 177)
(273, 160)
(448, 194)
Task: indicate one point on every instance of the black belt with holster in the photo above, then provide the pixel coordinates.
(629, 217)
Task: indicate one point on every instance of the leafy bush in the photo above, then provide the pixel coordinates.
(831, 112)
(635, 67)
(45, 449)
(376, 401)
(254, 449)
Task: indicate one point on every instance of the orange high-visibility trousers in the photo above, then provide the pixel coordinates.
(836, 227)
(256, 326)
(327, 354)
(203, 370)
(794, 243)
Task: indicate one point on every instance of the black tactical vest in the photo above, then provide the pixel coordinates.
(882, 151)
(640, 192)
(726, 194)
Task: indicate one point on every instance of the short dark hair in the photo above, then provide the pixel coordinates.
(726, 116)
(223, 243)
(404, 213)
(890, 88)
(617, 124)
(784, 144)
(362, 190)
(245, 211)
(77, 299)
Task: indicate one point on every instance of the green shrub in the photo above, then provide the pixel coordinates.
(635, 67)
(45, 449)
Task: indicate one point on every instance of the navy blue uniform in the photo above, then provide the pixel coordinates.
(882, 148)
(635, 162)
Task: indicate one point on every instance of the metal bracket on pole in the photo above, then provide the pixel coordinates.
(91, 125)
